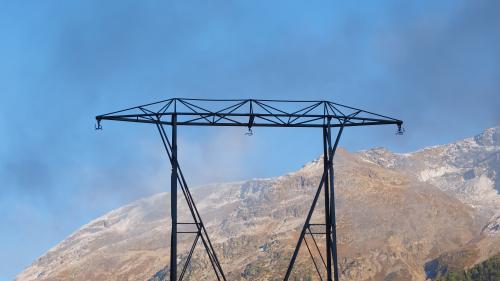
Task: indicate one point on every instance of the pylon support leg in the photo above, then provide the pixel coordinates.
(333, 222)
(203, 234)
(328, 228)
(173, 203)
(327, 182)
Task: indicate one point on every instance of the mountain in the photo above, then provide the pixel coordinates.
(467, 169)
(399, 217)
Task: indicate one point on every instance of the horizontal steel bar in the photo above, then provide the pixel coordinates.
(227, 124)
(215, 114)
(255, 100)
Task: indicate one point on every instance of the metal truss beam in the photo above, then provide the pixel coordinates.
(249, 113)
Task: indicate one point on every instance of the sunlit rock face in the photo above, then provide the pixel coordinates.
(396, 213)
(467, 170)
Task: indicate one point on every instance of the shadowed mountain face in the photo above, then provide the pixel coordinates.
(398, 216)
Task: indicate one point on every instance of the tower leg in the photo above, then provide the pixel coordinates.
(328, 237)
(303, 232)
(173, 203)
(333, 222)
(202, 233)
(327, 181)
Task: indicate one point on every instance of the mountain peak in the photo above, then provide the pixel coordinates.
(489, 137)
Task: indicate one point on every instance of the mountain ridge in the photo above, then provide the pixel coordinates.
(391, 220)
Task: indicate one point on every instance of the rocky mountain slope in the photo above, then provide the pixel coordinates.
(468, 169)
(396, 214)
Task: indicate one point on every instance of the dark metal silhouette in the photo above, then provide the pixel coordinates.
(251, 113)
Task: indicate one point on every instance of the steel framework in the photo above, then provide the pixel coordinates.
(252, 113)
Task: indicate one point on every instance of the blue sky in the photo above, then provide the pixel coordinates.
(434, 64)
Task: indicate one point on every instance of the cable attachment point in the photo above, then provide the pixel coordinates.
(250, 124)
(401, 130)
(98, 126)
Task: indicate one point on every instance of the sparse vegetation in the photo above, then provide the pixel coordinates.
(449, 262)
(488, 270)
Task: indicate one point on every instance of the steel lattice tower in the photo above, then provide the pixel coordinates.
(251, 113)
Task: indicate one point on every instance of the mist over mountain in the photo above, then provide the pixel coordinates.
(400, 216)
